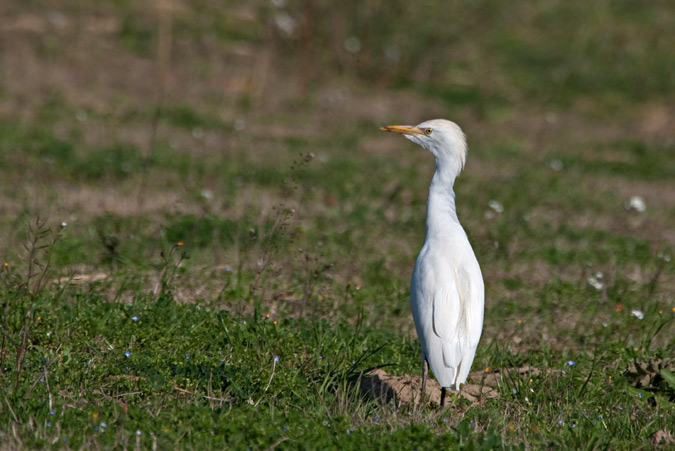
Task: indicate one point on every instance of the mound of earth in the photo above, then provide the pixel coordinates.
(406, 389)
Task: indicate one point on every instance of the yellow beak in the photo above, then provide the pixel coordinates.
(403, 130)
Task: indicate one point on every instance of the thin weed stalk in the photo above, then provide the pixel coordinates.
(165, 276)
(270, 242)
(164, 45)
(41, 239)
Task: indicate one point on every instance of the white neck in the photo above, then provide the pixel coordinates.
(441, 210)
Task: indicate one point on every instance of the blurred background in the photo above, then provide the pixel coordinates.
(206, 240)
(248, 132)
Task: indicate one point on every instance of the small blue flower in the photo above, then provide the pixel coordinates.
(619, 407)
(276, 358)
(571, 363)
(353, 362)
(104, 424)
(377, 418)
(49, 424)
(135, 318)
(472, 422)
(220, 352)
(445, 420)
(527, 399)
(641, 395)
(515, 391)
(574, 425)
(52, 412)
(49, 334)
(228, 268)
(560, 421)
(320, 357)
(138, 432)
(284, 428)
(127, 354)
(187, 356)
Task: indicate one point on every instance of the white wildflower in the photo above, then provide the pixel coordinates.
(637, 204)
(595, 283)
(556, 165)
(285, 23)
(353, 44)
(496, 206)
(637, 313)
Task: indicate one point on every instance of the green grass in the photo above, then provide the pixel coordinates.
(192, 375)
(253, 259)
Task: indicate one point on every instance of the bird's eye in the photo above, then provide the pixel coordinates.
(428, 131)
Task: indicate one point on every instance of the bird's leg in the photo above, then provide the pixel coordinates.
(425, 374)
(442, 396)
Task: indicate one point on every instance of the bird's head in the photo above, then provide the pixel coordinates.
(443, 138)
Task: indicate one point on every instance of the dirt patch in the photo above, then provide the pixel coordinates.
(406, 389)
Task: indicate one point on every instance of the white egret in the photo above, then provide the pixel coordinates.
(446, 290)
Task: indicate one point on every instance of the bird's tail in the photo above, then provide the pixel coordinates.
(465, 366)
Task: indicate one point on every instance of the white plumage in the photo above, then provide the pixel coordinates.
(446, 290)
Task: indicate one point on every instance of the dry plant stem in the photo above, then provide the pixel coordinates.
(163, 55)
(163, 280)
(278, 442)
(40, 376)
(35, 236)
(32, 248)
(9, 407)
(274, 366)
(312, 274)
(160, 284)
(655, 279)
(157, 290)
(49, 390)
(280, 223)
